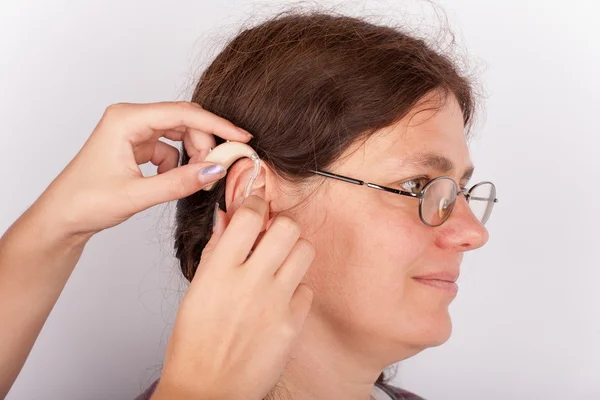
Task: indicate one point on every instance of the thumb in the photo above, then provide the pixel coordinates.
(174, 184)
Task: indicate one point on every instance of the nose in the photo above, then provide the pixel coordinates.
(462, 231)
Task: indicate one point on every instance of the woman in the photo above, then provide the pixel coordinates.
(333, 103)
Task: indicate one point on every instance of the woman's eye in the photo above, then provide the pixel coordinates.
(415, 185)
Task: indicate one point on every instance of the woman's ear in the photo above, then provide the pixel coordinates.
(237, 179)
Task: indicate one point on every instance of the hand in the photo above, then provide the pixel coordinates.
(240, 317)
(103, 185)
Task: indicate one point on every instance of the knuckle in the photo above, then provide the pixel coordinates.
(288, 330)
(184, 105)
(288, 223)
(114, 109)
(183, 108)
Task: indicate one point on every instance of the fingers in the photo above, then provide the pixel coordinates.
(275, 246)
(199, 157)
(280, 249)
(300, 305)
(291, 272)
(195, 141)
(140, 121)
(165, 156)
(174, 184)
(242, 231)
(281, 254)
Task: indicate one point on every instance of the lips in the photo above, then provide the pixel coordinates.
(447, 276)
(445, 280)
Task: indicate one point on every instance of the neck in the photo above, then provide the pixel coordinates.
(324, 365)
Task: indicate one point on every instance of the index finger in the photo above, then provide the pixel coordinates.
(143, 120)
(242, 231)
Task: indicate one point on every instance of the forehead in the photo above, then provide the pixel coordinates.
(425, 130)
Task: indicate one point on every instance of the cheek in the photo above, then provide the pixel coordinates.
(391, 253)
(366, 255)
(399, 242)
(396, 238)
(364, 261)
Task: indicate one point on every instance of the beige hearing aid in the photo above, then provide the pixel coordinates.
(229, 152)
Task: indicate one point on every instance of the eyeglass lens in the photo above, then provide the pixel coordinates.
(440, 196)
(438, 201)
(481, 200)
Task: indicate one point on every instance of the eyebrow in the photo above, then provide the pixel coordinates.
(439, 163)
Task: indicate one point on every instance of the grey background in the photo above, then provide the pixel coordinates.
(526, 320)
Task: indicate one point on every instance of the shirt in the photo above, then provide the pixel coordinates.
(380, 394)
(381, 391)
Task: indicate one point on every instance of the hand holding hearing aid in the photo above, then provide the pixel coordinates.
(260, 294)
(241, 316)
(103, 185)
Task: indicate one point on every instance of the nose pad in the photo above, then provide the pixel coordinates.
(465, 204)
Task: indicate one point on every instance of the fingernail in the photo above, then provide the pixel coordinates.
(215, 169)
(245, 132)
(215, 216)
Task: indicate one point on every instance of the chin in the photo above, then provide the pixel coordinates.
(438, 332)
(430, 332)
(410, 336)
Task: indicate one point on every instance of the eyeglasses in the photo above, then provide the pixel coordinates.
(438, 197)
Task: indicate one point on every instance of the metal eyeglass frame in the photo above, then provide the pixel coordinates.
(420, 196)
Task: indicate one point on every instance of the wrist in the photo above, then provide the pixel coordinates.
(55, 225)
(167, 390)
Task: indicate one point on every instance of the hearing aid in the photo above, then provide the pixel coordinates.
(229, 152)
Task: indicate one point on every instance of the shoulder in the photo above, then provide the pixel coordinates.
(398, 393)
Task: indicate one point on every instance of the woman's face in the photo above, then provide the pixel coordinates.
(370, 244)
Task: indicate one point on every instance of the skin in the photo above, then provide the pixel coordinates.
(368, 312)
(363, 247)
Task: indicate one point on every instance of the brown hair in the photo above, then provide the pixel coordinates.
(307, 85)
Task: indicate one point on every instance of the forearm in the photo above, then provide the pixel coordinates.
(37, 256)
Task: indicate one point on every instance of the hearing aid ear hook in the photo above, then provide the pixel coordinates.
(229, 152)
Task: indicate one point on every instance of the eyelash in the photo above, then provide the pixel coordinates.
(425, 179)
